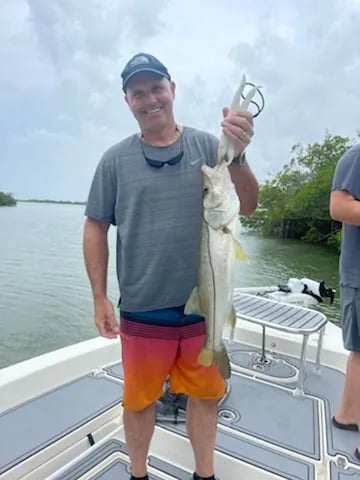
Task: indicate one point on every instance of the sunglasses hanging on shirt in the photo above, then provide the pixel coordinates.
(158, 163)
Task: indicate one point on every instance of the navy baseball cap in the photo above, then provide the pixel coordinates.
(143, 62)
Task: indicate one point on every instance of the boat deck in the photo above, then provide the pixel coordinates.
(261, 423)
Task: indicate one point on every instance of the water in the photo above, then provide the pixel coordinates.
(45, 296)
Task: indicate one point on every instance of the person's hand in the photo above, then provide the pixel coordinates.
(238, 127)
(105, 320)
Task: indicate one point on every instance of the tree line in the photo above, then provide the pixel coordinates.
(295, 202)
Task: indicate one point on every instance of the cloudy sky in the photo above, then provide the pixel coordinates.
(61, 103)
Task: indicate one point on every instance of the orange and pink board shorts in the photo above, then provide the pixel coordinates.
(153, 353)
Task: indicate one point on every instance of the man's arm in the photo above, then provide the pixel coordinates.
(345, 189)
(344, 207)
(246, 186)
(96, 255)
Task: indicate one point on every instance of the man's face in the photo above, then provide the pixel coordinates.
(150, 98)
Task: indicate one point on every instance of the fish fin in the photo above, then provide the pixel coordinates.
(222, 362)
(239, 252)
(232, 323)
(193, 303)
(232, 317)
(206, 357)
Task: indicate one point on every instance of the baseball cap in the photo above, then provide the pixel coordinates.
(143, 62)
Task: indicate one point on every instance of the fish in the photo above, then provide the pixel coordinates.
(219, 249)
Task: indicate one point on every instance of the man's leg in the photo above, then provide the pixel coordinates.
(147, 362)
(139, 428)
(201, 422)
(204, 387)
(349, 411)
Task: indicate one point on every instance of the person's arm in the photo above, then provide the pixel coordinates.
(100, 214)
(246, 186)
(96, 255)
(344, 207)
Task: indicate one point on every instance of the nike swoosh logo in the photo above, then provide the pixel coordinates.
(195, 161)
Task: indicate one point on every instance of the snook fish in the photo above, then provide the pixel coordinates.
(212, 297)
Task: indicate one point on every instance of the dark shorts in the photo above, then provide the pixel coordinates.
(350, 317)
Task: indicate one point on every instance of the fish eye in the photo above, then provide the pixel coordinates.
(205, 190)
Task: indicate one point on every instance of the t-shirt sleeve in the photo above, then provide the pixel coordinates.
(347, 173)
(102, 195)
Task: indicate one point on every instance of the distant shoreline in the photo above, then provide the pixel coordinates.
(63, 202)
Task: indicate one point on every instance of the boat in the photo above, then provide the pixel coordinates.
(61, 412)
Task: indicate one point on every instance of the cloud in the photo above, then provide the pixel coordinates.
(61, 95)
(310, 69)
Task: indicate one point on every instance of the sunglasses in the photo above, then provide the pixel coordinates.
(158, 163)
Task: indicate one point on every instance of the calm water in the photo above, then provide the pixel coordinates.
(45, 298)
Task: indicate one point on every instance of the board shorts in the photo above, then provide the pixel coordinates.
(153, 353)
(350, 317)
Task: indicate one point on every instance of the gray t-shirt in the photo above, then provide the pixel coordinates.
(157, 212)
(347, 177)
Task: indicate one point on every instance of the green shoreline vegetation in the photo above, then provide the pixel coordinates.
(63, 202)
(7, 200)
(295, 202)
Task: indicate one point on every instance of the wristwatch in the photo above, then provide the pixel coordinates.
(239, 159)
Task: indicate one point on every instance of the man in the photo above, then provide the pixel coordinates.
(149, 186)
(345, 208)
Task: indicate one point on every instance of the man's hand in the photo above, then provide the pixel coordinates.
(238, 127)
(105, 319)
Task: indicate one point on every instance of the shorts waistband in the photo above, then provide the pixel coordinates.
(162, 332)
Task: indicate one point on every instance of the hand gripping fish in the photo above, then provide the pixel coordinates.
(219, 247)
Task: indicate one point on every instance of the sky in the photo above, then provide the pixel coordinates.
(61, 103)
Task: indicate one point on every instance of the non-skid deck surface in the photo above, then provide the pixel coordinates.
(341, 474)
(267, 413)
(252, 410)
(270, 414)
(108, 463)
(281, 464)
(326, 387)
(276, 416)
(34, 425)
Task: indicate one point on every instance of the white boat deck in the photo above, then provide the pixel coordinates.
(73, 430)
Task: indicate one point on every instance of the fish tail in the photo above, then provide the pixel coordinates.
(222, 361)
(206, 357)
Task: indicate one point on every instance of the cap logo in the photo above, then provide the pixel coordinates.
(138, 61)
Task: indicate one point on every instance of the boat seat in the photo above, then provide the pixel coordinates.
(40, 422)
(286, 318)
